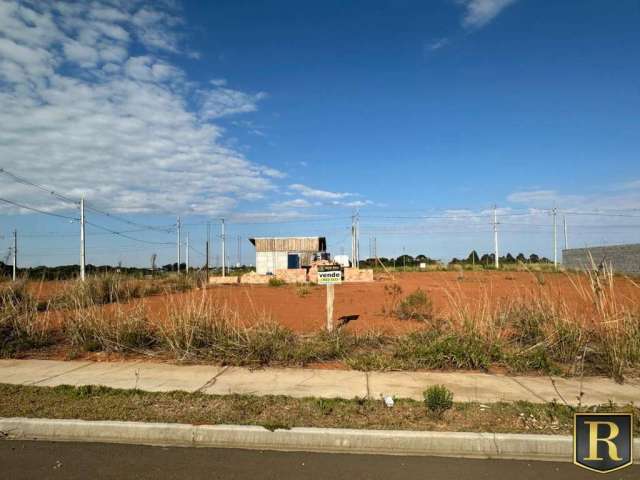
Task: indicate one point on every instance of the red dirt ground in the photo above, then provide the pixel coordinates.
(368, 300)
(449, 291)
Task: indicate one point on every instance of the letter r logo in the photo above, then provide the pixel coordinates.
(603, 441)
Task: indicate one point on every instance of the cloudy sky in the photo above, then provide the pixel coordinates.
(285, 118)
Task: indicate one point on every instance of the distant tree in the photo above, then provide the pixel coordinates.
(405, 260)
(509, 258)
(533, 258)
(487, 259)
(521, 258)
(473, 257)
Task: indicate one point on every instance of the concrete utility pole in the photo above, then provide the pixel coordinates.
(82, 241)
(566, 237)
(239, 251)
(15, 255)
(224, 251)
(555, 237)
(357, 239)
(179, 241)
(495, 236)
(186, 253)
(207, 249)
(353, 240)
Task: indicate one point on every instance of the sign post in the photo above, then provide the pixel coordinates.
(329, 275)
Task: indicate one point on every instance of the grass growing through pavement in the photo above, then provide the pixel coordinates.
(101, 403)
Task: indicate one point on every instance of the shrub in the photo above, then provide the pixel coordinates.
(415, 306)
(276, 282)
(303, 290)
(438, 399)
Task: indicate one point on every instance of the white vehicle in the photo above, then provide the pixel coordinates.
(342, 260)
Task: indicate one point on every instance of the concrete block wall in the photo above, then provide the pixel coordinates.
(298, 275)
(223, 280)
(622, 258)
(357, 275)
(254, 279)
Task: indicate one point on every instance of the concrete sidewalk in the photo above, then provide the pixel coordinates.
(299, 382)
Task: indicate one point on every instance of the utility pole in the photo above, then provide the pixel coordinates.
(186, 253)
(15, 254)
(404, 259)
(179, 241)
(357, 239)
(207, 249)
(555, 238)
(82, 241)
(239, 252)
(495, 236)
(353, 241)
(566, 237)
(224, 252)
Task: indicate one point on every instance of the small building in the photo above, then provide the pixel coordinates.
(279, 253)
(621, 258)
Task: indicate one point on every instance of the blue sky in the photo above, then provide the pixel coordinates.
(273, 112)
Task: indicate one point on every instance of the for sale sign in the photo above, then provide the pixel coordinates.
(329, 274)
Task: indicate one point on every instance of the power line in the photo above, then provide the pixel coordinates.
(114, 232)
(76, 202)
(33, 209)
(24, 181)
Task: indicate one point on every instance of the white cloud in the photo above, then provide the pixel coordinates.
(83, 55)
(221, 101)
(547, 197)
(612, 199)
(438, 44)
(309, 192)
(296, 203)
(120, 129)
(480, 12)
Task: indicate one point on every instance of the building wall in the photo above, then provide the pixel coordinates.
(622, 258)
(269, 262)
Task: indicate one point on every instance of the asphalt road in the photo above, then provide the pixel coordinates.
(44, 460)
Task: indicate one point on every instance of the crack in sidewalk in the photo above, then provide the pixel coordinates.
(60, 374)
(522, 385)
(213, 379)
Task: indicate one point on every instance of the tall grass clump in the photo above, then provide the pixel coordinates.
(615, 326)
(110, 329)
(438, 399)
(22, 327)
(415, 306)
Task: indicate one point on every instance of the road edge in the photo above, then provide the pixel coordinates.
(324, 440)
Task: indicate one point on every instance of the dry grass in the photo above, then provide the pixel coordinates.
(535, 330)
(21, 326)
(108, 288)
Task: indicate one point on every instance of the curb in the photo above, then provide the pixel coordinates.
(323, 440)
